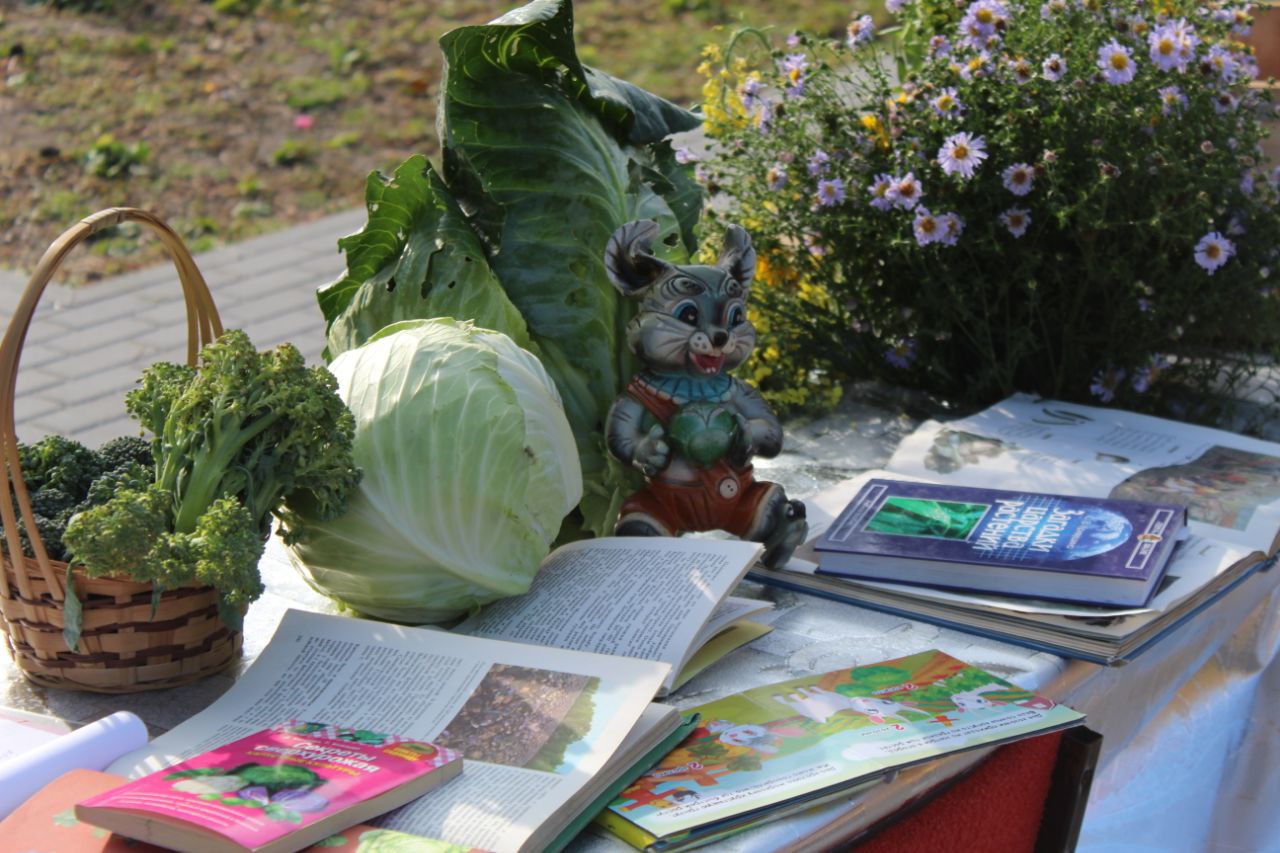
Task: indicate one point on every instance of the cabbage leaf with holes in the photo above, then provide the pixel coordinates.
(543, 158)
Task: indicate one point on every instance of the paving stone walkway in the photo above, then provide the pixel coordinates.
(88, 344)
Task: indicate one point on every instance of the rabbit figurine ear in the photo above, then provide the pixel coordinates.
(629, 258)
(738, 256)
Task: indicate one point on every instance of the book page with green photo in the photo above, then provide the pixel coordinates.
(758, 751)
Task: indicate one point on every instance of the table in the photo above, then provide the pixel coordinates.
(1191, 756)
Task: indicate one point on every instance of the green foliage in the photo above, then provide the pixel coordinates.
(308, 93)
(292, 152)
(1091, 285)
(110, 158)
(547, 157)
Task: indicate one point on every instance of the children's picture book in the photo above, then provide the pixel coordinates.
(656, 598)
(47, 823)
(1091, 550)
(772, 750)
(278, 790)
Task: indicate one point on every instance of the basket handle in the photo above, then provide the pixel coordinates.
(203, 326)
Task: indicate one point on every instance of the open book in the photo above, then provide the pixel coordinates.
(1229, 483)
(544, 732)
(658, 598)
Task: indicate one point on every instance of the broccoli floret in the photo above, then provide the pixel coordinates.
(130, 475)
(222, 552)
(51, 531)
(58, 463)
(120, 534)
(124, 451)
(256, 426)
(233, 440)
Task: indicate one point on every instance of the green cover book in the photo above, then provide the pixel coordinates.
(769, 751)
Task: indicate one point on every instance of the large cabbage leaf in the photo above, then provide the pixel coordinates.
(469, 470)
(547, 158)
(416, 257)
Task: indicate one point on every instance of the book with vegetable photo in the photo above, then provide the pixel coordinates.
(770, 751)
(1012, 542)
(279, 789)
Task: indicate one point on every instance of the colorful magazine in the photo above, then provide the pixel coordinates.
(766, 752)
(1093, 550)
(287, 787)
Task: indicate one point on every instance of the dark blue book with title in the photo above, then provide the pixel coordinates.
(1091, 550)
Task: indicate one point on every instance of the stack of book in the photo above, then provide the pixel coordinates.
(1052, 525)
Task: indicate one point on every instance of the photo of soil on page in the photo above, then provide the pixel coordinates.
(523, 717)
(1222, 487)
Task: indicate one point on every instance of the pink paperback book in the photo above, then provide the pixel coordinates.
(278, 790)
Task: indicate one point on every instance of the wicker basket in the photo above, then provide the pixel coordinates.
(123, 648)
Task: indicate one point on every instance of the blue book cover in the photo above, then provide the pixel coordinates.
(1083, 549)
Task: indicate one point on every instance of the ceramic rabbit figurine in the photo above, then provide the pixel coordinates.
(683, 421)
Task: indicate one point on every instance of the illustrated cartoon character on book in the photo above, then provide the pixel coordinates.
(687, 425)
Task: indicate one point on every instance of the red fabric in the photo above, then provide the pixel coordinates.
(995, 808)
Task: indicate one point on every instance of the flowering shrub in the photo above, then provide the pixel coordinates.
(1065, 197)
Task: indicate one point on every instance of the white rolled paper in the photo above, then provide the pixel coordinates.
(91, 747)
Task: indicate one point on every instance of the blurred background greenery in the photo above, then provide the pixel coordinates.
(234, 117)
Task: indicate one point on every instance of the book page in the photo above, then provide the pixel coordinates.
(1229, 483)
(633, 596)
(565, 714)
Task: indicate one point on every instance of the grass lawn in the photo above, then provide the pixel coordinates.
(230, 125)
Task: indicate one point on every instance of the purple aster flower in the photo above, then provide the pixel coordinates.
(906, 191)
(939, 46)
(962, 153)
(684, 156)
(794, 66)
(1172, 101)
(1021, 70)
(1053, 68)
(926, 227)
(776, 177)
(946, 104)
(860, 31)
(879, 190)
(1222, 62)
(749, 92)
(1116, 63)
(1017, 220)
(1173, 45)
(819, 163)
(1106, 382)
(1225, 102)
(895, 7)
(952, 228)
(830, 192)
(1019, 178)
(1213, 251)
(902, 354)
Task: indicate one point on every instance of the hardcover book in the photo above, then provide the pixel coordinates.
(1093, 550)
(281, 789)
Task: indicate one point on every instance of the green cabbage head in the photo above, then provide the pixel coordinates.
(469, 468)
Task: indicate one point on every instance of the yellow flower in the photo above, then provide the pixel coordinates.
(876, 127)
